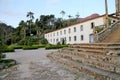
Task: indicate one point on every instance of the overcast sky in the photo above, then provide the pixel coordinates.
(13, 11)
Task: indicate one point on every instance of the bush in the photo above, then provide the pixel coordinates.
(2, 47)
(55, 46)
(39, 46)
(17, 47)
(30, 47)
(98, 29)
(9, 49)
(7, 63)
(2, 55)
(43, 41)
(23, 42)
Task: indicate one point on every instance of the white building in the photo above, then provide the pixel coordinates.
(81, 32)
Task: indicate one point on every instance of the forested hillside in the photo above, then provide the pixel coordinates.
(5, 33)
(33, 30)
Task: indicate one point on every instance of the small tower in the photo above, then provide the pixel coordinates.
(117, 2)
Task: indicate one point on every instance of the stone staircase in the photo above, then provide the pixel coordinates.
(110, 34)
(100, 60)
(114, 37)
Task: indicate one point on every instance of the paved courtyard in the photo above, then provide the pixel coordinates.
(34, 65)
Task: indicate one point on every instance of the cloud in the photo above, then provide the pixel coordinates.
(11, 13)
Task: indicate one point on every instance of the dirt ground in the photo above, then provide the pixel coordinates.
(34, 65)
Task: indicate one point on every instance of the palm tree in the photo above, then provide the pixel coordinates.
(69, 16)
(77, 15)
(117, 2)
(30, 15)
(22, 24)
(68, 22)
(62, 13)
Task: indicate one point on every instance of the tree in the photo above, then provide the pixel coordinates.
(58, 23)
(62, 13)
(22, 24)
(77, 15)
(30, 15)
(2, 48)
(69, 16)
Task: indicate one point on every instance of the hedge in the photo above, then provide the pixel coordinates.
(9, 49)
(17, 47)
(39, 46)
(55, 46)
(29, 47)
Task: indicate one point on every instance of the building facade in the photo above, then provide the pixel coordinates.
(83, 32)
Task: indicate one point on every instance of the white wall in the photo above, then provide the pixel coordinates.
(53, 36)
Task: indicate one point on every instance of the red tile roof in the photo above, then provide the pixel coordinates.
(89, 17)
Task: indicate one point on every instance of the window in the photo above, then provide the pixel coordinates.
(82, 37)
(51, 40)
(64, 31)
(92, 25)
(69, 38)
(75, 38)
(53, 34)
(114, 21)
(69, 31)
(57, 33)
(60, 32)
(48, 35)
(65, 38)
(57, 40)
(81, 28)
(74, 29)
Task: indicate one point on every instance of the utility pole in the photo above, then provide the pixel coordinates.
(117, 6)
(106, 13)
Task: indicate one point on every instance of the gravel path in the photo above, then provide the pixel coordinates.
(34, 65)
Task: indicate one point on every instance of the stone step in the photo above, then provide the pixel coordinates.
(99, 64)
(97, 73)
(87, 55)
(97, 52)
(95, 44)
(98, 47)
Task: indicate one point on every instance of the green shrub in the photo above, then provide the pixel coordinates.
(55, 46)
(23, 42)
(7, 63)
(7, 60)
(9, 49)
(2, 47)
(2, 55)
(98, 29)
(43, 41)
(39, 46)
(30, 47)
(17, 47)
(64, 45)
